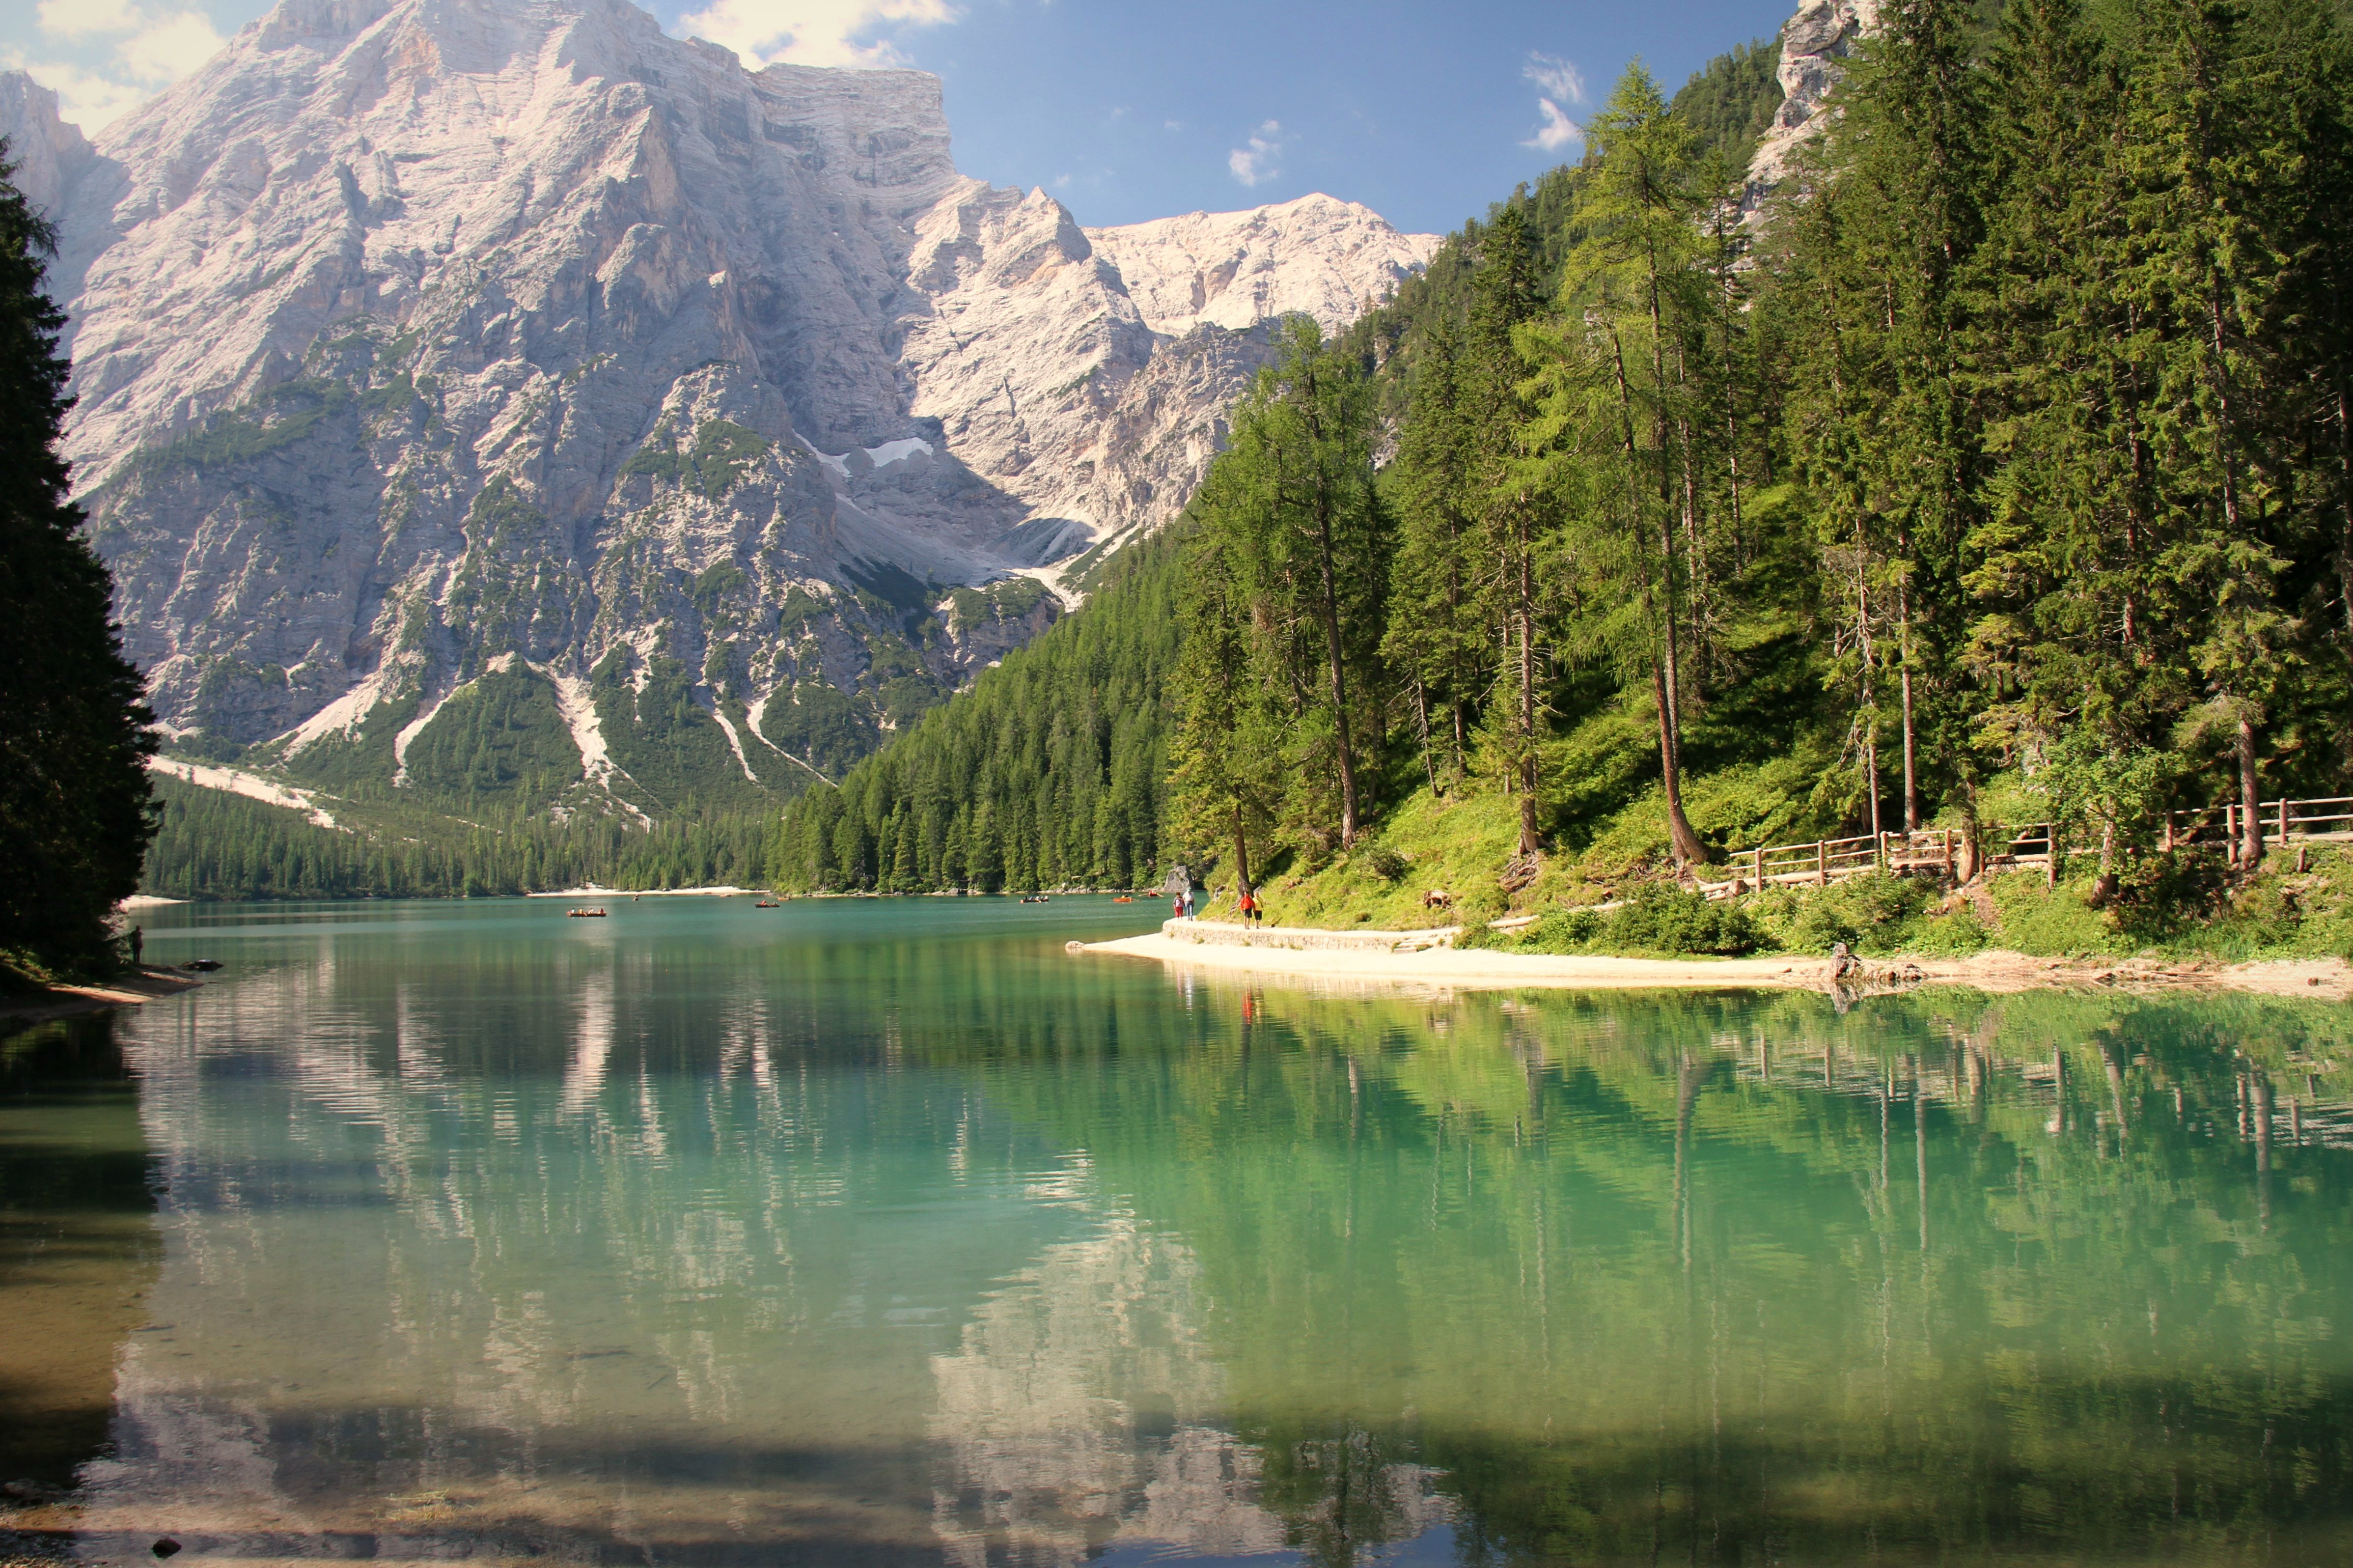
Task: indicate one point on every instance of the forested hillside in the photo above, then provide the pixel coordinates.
(2005, 474)
(1049, 773)
(215, 845)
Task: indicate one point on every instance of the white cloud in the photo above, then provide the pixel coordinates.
(85, 19)
(140, 48)
(1560, 79)
(1557, 131)
(815, 32)
(1256, 164)
(1562, 83)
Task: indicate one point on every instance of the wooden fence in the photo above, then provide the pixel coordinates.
(2032, 848)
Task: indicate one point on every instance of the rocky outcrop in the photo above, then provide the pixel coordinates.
(1813, 44)
(1326, 259)
(47, 154)
(420, 340)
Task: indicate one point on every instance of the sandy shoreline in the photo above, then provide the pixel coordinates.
(1444, 967)
(646, 893)
(72, 1001)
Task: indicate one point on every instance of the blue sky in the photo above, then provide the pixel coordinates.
(1424, 112)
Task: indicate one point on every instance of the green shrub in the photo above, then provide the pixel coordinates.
(1656, 922)
(1955, 935)
(2050, 922)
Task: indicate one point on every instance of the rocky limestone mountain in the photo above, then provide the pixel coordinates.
(501, 399)
(1813, 44)
(48, 154)
(1326, 259)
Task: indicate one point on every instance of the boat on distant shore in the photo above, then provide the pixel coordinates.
(585, 914)
(1033, 897)
(767, 904)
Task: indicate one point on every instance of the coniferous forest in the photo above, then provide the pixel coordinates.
(2007, 467)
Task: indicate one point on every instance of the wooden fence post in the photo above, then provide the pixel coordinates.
(1948, 854)
(2050, 853)
(2282, 824)
(1761, 865)
(1821, 864)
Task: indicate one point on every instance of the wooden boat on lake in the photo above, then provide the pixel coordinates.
(1122, 898)
(585, 914)
(767, 904)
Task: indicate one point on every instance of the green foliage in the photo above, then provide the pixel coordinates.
(1656, 922)
(287, 413)
(1291, 558)
(671, 747)
(1729, 102)
(1011, 599)
(502, 739)
(75, 817)
(2055, 923)
(712, 467)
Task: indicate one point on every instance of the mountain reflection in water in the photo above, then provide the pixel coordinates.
(887, 1232)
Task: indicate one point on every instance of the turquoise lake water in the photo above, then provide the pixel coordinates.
(885, 1231)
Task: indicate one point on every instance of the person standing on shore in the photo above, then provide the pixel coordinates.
(138, 946)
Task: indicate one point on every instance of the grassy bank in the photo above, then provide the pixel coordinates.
(2185, 905)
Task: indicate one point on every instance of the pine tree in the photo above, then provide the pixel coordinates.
(1436, 640)
(1292, 505)
(1621, 432)
(75, 811)
(1510, 524)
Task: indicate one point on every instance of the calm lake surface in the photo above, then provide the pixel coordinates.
(873, 1232)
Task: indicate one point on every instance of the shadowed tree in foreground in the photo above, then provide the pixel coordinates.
(74, 811)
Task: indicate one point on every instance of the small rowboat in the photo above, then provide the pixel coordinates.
(767, 904)
(1122, 898)
(585, 914)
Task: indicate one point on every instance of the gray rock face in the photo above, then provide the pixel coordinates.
(48, 154)
(1326, 259)
(418, 341)
(1813, 44)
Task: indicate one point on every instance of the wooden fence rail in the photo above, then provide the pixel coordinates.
(2034, 846)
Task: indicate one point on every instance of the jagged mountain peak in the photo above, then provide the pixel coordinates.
(48, 153)
(445, 358)
(1316, 254)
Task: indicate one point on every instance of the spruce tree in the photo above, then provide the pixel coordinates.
(75, 810)
(1620, 435)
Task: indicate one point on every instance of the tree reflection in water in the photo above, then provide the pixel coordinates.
(1629, 1276)
(919, 1247)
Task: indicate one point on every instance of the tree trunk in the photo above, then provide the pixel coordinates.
(1688, 849)
(1903, 640)
(1422, 720)
(1331, 618)
(1527, 716)
(1241, 855)
(2251, 826)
